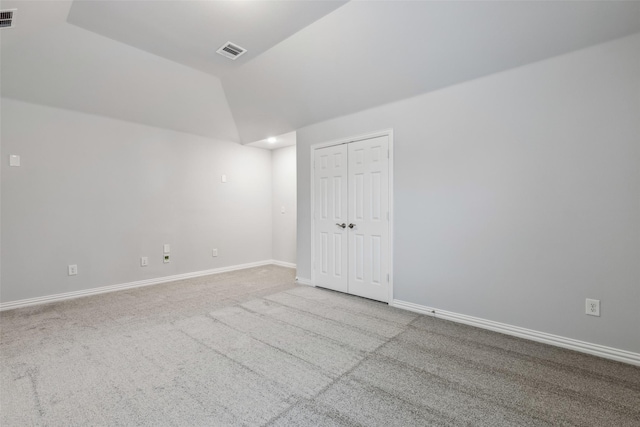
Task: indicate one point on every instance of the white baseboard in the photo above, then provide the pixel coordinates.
(283, 263)
(112, 288)
(543, 337)
(303, 281)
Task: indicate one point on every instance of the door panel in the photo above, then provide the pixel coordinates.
(351, 186)
(330, 207)
(368, 209)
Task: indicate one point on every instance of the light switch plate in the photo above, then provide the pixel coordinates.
(223, 178)
(14, 160)
(167, 248)
(214, 252)
(144, 261)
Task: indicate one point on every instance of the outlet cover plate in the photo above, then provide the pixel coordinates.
(73, 269)
(592, 307)
(144, 261)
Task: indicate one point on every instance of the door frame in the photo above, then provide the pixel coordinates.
(389, 134)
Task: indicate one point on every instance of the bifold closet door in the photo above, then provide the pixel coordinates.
(330, 218)
(351, 218)
(369, 218)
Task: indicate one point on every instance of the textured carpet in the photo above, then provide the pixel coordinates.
(252, 348)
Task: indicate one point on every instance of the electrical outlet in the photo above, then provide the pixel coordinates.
(166, 258)
(144, 261)
(73, 269)
(214, 252)
(592, 307)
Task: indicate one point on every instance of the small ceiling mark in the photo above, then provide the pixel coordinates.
(231, 50)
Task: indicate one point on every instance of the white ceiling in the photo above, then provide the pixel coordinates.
(48, 61)
(307, 61)
(189, 32)
(367, 54)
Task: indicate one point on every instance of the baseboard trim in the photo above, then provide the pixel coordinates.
(283, 263)
(140, 283)
(303, 281)
(543, 337)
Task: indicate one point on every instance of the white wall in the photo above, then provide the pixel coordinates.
(101, 193)
(283, 166)
(516, 195)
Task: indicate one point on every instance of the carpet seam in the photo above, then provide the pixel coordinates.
(318, 316)
(358, 312)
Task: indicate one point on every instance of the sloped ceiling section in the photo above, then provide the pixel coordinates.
(307, 61)
(370, 53)
(189, 32)
(46, 60)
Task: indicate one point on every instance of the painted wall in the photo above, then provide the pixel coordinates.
(101, 193)
(516, 195)
(283, 166)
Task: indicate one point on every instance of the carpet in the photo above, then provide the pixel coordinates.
(252, 348)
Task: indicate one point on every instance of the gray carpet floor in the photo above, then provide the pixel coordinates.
(252, 348)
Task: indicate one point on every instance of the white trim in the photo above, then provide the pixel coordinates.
(391, 216)
(385, 132)
(303, 281)
(356, 138)
(283, 263)
(112, 288)
(543, 337)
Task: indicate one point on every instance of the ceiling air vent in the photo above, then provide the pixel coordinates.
(7, 18)
(231, 51)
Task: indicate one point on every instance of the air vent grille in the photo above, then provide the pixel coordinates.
(231, 50)
(7, 18)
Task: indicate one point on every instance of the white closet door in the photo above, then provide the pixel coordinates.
(330, 218)
(368, 218)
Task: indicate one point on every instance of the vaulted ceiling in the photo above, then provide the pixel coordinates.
(188, 32)
(154, 62)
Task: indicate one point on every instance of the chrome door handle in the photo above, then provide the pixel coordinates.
(351, 225)
(343, 225)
